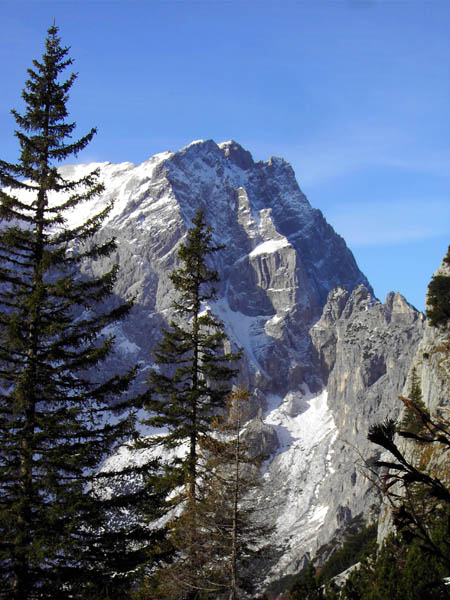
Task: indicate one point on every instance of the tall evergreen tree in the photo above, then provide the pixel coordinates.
(190, 386)
(195, 373)
(55, 408)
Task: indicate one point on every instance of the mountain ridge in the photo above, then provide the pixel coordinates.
(278, 270)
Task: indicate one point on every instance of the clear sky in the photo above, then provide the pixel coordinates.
(353, 93)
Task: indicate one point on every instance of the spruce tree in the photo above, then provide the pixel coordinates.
(55, 425)
(193, 379)
(190, 386)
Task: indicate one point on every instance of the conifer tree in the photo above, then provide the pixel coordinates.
(399, 570)
(218, 540)
(438, 297)
(191, 384)
(194, 377)
(55, 407)
(411, 422)
(236, 540)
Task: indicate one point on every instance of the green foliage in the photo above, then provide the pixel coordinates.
(354, 549)
(317, 583)
(189, 395)
(415, 482)
(400, 571)
(403, 569)
(411, 422)
(415, 492)
(307, 586)
(438, 298)
(56, 538)
(192, 382)
(416, 489)
(359, 544)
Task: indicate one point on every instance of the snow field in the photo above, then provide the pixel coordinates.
(293, 476)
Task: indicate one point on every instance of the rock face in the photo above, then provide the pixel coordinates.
(365, 350)
(323, 357)
(280, 261)
(431, 363)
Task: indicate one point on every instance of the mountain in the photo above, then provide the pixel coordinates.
(323, 357)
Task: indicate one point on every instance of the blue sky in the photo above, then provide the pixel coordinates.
(353, 93)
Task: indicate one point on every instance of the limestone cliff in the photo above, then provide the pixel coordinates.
(431, 364)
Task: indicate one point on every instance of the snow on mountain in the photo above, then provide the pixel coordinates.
(306, 432)
(270, 246)
(322, 365)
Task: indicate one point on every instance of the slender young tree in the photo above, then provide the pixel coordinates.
(55, 408)
(234, 539)
(195, 373)
(218, 540)
(411, 421)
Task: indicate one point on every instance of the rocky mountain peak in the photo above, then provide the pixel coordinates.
(236, 154)
(396, 304)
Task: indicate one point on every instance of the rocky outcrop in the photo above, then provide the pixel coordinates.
(260, 439)
(365, 350)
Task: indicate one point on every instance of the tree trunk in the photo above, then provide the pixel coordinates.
(234, 533)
